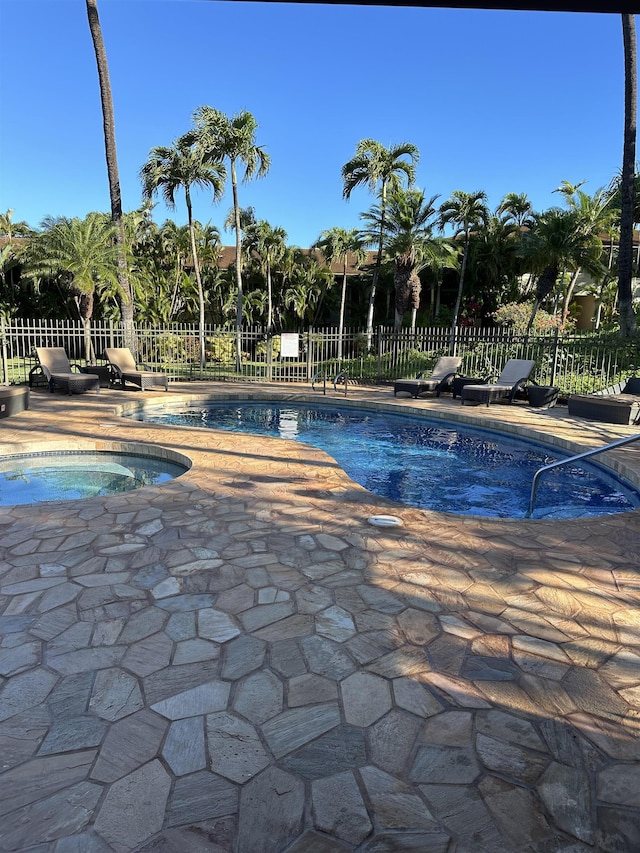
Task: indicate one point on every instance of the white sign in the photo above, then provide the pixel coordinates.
(290, 345)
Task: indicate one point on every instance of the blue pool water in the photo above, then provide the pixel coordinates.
(68, 475)
(424, 463)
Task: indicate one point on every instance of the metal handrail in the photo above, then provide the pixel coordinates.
(343, 374)
(534, 483)
(320, 374)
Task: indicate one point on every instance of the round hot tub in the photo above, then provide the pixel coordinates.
(13, 399)
(60, 475)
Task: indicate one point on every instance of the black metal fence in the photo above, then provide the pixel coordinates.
(575, 363)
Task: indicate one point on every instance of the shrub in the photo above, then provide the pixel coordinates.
(261, 348)
(221, 349)
(517, 314)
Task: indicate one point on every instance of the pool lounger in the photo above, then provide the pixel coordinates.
(60, 373)
(445, 369)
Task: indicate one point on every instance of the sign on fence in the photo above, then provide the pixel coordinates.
(290, 345)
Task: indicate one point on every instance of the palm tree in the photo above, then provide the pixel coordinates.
(465, 211)
(184, 165)
(82, 253)
(515, 207)
(269, 245)
(337, 245)
(126, 293)
(628, 325)
(175, 242)
(555, 244)
(306, 283)
(374, 165)
(233, 138)
(409, 241)
(594, 216)
(10, 254)
(495, 261)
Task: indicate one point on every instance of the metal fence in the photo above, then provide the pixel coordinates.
(575, 363)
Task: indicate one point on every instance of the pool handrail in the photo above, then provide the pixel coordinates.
(534, 483)
(344, 375)
(317, 376)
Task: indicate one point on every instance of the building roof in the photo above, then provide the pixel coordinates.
(610, 6)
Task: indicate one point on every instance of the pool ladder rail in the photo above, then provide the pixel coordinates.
(536, 477)
(321, 375)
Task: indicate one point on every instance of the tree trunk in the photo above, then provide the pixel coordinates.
(456, 310)
(402, 282)
(236, 210)
(125, 297)
(544, 286)
(567, 297)
(196, 269)
(628, 325)
(376, 272)
(343, 300)
(269, 299)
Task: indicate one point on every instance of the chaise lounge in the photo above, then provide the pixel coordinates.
(613, 407)
(124, 369)
(515, 374)
(445, 369)
(59, 373)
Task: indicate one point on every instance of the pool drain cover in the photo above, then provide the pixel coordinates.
(385, 521)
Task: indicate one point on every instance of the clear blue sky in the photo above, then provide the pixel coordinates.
(495, 101)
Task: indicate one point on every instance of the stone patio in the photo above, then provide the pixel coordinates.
(238, 662)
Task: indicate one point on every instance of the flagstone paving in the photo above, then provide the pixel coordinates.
(237, 661)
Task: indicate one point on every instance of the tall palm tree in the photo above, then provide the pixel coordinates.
(82, 253)
(338, 245)
(233, 138)
(375, 166)
(269, 245)
(466, 212)
(628, 325)
(184, 165)
(125, 289)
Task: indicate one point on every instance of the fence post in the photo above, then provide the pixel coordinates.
(269, 356)
(554, 360)
(310, 371)
(380, 353)
(5, 366)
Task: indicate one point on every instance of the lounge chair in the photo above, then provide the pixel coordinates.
(620, 405)
(59, 373)
(515, 374)
(124, 369)
(445, 369)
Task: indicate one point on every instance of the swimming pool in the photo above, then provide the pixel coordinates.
(438, 465)
(57, 475)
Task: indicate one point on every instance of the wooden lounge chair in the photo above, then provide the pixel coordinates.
(445, 369)
(610, 406)
(124, 369)
(515, 374)
(59, 373)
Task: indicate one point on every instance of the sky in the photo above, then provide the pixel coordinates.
(500, 101)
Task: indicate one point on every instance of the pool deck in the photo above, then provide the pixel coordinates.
(237, 661)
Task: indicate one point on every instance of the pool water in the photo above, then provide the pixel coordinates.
(69, 475)
(424, 463)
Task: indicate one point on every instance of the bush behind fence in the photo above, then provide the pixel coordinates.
(575, 363)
